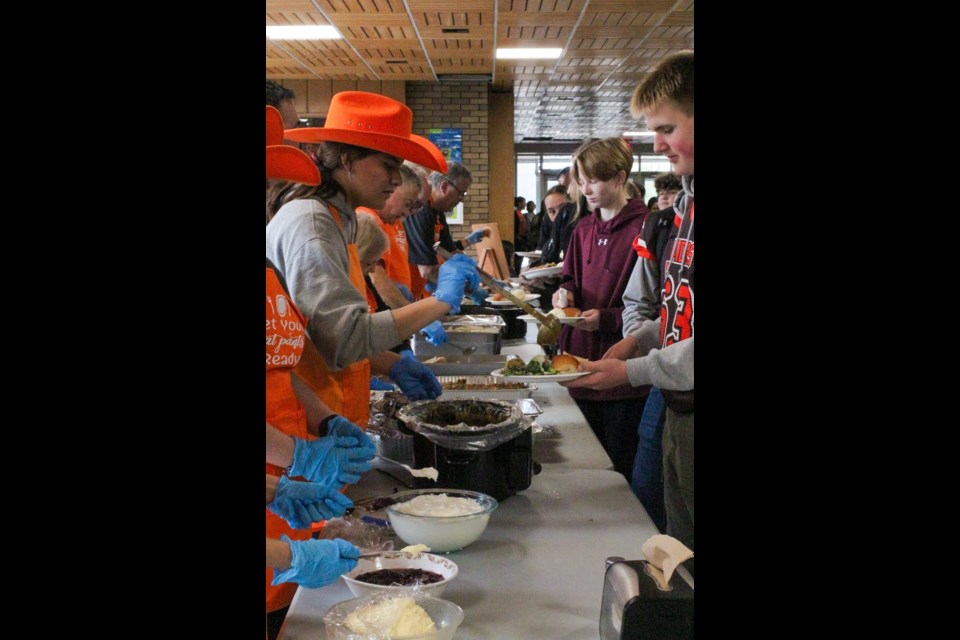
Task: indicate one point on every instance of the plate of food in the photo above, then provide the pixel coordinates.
(503, 302)
(560, 368)
(543, 271)
(567, 315)
(529, 254)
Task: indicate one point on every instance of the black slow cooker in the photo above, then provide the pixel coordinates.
(478, 445)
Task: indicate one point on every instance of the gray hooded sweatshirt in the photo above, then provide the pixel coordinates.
(310, 249)
(669, 367)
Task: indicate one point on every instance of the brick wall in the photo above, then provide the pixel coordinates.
(458, 106)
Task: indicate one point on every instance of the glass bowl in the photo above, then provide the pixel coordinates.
(445, 615)
(442, 534)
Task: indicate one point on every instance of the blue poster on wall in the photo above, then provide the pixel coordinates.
(450, 143)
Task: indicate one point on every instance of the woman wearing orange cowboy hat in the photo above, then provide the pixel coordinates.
(292, 410)
(311, 239)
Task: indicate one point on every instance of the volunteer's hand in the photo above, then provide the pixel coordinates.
(317, 563)
(479, 295)
(475, 237)
(343, 428)
(415, 379)
(302, 503)
(456, 275)
(331, 458)
(378, 384)
(607, 374)
(435, 333)
(623, 350)
(406, 293)
(430, 286)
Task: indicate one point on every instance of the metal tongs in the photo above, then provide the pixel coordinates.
(549, 325)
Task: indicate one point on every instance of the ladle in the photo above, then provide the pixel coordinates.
(549, 325)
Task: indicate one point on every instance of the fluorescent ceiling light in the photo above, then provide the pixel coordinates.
(637, 134)
(302, 32)
(525, 54)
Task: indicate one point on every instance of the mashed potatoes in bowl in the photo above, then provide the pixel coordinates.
(407, 616)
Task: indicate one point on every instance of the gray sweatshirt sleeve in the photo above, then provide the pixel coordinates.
(641, 298)
(668, 368)
(307, 246)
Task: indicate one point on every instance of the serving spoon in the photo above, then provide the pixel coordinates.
(426, 472)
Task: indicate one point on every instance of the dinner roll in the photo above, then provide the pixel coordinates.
(565, 363)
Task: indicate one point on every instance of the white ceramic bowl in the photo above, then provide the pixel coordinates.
(445, 614)
(427, 561)
(441, 533)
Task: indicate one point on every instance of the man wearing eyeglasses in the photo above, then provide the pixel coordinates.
(429, 225)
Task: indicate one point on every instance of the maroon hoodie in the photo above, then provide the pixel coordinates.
(599, 260)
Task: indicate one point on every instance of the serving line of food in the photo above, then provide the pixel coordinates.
(537, 567)
(536, 571)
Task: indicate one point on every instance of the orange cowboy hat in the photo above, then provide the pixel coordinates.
(283, 161)
(375, 122)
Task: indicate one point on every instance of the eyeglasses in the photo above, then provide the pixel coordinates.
(463, 194)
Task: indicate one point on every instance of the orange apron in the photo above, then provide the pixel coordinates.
(286, 336)
(353, 381)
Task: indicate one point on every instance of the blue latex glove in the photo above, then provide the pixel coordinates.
(430, 286)
(330, 458)
(343, 428)
(415, 379)
(406, 293)
(378, 384)
(317, 563)
(479, 295)
(475, 237)
(435, 333)
(303, 503)
(457, 274)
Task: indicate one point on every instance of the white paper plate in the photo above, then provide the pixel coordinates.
(505, 302)
(564, 320)
(559, 377)
(546, 272)
(529, 254)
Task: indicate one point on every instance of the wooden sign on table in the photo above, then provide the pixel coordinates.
(490, 256)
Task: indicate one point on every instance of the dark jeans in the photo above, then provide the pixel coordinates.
(614, 423)
(678, 477)
(647, 480)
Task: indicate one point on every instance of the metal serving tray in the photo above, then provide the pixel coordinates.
(500, 394)
(473, 365)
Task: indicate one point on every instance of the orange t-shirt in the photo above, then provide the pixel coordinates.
(286, 336)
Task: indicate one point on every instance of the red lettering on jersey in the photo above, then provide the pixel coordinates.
(688, 255)
(680, 327)
(679, 248)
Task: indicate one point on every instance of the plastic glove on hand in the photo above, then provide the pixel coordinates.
(415, 379)
(406, 293)
(430, 286)
(458, 274)
(303, 503)
(479, 295)
(343, 428)
(331, 458)
(475, 237)
(317, 563)
(378, 384)
(435, 333)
